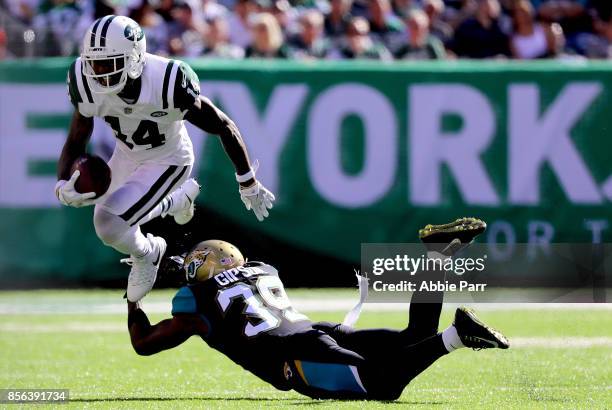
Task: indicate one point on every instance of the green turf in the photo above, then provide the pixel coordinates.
(102, 371)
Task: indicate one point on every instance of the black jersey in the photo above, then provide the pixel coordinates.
(248, 316)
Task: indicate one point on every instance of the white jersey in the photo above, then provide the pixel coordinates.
(152, 129)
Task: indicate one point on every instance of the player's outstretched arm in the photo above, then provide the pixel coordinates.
(202, 113)
(206, 116)
(149, 339)
(81, 128)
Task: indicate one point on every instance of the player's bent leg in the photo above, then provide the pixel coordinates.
(118, 216)
(425, 309)
(369, 343)
(116, 233)
(382, 378)
(391, 360)
(146, 252)
(319, 368)
(145, 190)
(441, 241)
(386, 378)
(180, 204)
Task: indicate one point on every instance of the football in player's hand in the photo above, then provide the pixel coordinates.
(95, 174)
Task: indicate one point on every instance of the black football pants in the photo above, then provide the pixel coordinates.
(387, 359)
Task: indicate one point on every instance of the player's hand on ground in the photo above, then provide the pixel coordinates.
(257, 198)
(67, 194)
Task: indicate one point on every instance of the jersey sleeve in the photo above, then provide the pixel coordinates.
(77, 96)
(186, 87)
(73, 90)
(184, 301)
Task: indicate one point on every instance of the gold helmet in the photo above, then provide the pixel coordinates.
(209, 258)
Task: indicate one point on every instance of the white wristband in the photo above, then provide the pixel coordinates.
(249, 175)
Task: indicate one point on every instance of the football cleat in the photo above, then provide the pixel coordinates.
(144, 270)
(451, 237)
(181, 202)
(475, 334)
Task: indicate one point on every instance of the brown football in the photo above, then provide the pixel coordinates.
(95, 174)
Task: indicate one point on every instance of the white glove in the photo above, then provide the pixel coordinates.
(67, 195)
(257, 198)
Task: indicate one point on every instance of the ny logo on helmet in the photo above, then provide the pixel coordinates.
(133, 32)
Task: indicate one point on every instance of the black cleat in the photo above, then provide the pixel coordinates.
(475, 334)
(451, 237)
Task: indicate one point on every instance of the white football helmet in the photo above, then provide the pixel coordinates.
(114, 48)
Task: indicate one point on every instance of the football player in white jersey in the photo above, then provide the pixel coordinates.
(145, 100)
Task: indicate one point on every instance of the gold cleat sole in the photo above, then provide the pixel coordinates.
(459, 225)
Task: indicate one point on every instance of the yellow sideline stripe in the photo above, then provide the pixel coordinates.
(298, 366)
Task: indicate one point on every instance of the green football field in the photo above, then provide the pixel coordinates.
(560, 358)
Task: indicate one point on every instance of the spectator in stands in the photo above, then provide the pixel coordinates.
(481, 36)
(469, 28)
(310, 43)
(239, 22)
(572, 15)
(285, 15)
(164, 9)
(437, 27)
(267, 38)
(357, 43)
(4, 53)
(154, 27)
(217, 41)
(385, 27)
(23, 10)
(336, 21)
(421, 45)
(457, 11)
(208, 10)
(530, 39)
(601, 12)
(185, 32)
(58, 25)
(401, 8)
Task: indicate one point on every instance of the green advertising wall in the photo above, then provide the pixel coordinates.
(355, 153)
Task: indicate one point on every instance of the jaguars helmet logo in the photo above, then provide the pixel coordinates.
(197, 259)
(133, 32)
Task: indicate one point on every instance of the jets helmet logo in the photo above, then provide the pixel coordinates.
(133, 33)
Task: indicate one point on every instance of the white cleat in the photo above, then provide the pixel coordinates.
(182, 202)
(144, 270)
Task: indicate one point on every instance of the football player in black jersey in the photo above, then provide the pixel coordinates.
(241, 309)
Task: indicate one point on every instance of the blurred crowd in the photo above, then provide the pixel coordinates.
(322, 29)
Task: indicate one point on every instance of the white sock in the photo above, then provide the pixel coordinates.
(165, 206)
(159, 209)
(133, 243)
(451, 339)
